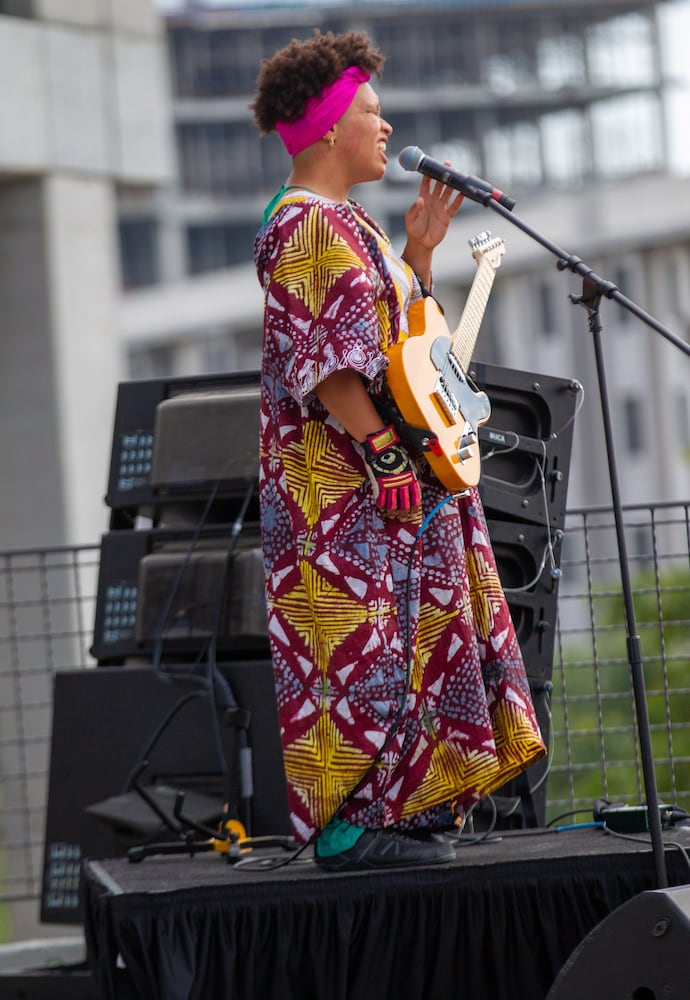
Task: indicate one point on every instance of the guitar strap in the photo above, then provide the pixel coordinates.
(419, 438)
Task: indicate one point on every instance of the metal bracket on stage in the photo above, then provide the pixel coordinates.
(231, 841)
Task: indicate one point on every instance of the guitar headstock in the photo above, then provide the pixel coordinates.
(486, 247)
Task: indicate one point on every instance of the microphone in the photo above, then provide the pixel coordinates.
(412, 158)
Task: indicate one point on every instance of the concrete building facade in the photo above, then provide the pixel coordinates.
(83, 97)
(568, 106)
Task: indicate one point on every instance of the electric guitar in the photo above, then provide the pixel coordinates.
(426, 375)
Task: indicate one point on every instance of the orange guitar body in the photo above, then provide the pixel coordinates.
(426, 375)
(431, 391)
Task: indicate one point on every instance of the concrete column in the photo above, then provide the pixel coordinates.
(80, 223)
(62, 358)
(31, 508)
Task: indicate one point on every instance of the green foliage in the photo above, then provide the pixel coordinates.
(594, 716)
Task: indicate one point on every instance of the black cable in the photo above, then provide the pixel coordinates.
(402, 702)
(142, 759)
(461, 839)
(548, 550)
(163, 622)
(213, 676)
(403, 697)
(647, 839)
(568, 815)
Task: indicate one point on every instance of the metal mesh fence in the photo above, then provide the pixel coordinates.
(595, 744)
(47, 601)
(47, 608)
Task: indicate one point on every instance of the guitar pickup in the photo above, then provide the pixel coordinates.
(445, 398)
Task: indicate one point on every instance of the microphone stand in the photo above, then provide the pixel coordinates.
(594, 288)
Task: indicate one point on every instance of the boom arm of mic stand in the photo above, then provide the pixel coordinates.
(570, 262)
(594, 288)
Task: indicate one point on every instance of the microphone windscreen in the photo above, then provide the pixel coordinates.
(410, 158)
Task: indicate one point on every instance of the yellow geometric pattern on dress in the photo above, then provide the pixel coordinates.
(518, 744)
(401, 273)
(313, 258)
(516, 738)
(323, 615)
(432, 624)
(317, 475)
(324, 766)
(486, 592)
(384, 325)
(450, 771)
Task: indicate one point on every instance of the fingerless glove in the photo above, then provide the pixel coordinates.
(391, 472)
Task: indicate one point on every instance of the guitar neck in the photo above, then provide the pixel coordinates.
(465, 336)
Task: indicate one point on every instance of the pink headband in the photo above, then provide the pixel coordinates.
(322, 112)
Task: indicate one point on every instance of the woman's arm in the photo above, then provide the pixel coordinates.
(345, 397)
(392, 475)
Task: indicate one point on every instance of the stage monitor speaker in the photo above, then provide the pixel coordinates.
(164, 586)
(103, 720)
(525, 557)
(526, 444)
(206, 437)
(641, 951)
(175, 440)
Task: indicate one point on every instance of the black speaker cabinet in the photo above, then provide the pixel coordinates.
(176, 440)
(51, 984)
(104, 720)
(526, 444)
(169, 590)
(526, 557)
(641, 951)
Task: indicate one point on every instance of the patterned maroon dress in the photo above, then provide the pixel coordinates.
(353, 597)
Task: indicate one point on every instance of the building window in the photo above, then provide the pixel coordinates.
(623, 280)
(627, 135)
(565, 146)
(17, 8)
(214, 246)
(641, 547)
(220, 158)
(152, 362)
(630, 61)
(634, 425)
(683, 419)
(487, 347)
(275, 163)
(547, 306)
(673, 284)
(214, 63)
(138, 253)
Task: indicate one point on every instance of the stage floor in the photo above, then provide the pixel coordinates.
(496, 924)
